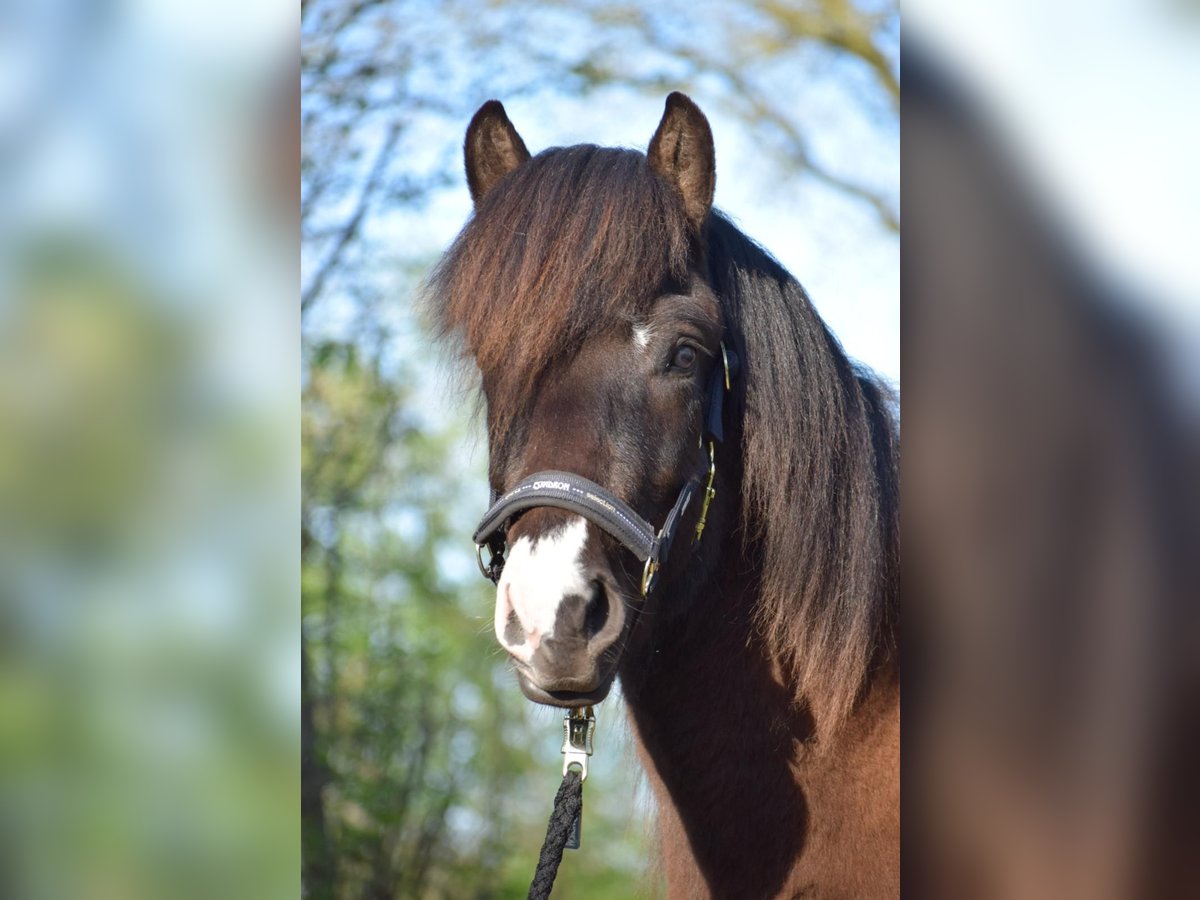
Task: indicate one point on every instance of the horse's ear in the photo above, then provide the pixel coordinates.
(492, 149)
(682, 152)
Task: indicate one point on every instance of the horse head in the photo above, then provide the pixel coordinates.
(580, 286)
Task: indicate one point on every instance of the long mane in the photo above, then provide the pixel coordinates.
(820, 493)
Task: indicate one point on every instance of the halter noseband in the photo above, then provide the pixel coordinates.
(599, 506)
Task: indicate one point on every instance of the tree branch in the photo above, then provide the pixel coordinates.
(758, 111)
(318, 867)
(838, 24)
(350, 230)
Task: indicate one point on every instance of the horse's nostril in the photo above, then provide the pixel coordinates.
(595, 615)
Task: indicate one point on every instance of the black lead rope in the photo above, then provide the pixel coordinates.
(564, 823)
(563, 829)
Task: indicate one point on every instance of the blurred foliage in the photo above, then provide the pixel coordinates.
(140, 727)
(426, 773)
(148, 454)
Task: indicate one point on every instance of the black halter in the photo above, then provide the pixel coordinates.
(599, 506)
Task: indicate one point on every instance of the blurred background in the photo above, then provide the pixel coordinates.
(426, 772)
(149, 458)
(1051, 297)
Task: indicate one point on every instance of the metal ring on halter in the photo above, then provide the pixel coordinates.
(487, 569)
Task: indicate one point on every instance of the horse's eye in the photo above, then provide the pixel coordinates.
(684, 358)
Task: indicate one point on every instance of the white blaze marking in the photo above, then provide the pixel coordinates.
(641, 336)
(537, 576)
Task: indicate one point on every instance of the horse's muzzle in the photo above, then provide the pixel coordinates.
(575, 665)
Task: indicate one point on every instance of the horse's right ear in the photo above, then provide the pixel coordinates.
(492, 149)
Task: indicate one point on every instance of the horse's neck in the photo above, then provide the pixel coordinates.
(750, 804)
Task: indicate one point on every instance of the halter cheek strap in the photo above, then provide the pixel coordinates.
(565, 490)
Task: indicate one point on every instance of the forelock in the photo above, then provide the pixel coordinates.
(574, 241)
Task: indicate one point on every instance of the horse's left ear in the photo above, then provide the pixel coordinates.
(682, 152)
(492, 148)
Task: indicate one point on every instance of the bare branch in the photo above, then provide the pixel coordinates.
(755, 109)
(840, 25)
(351, 229)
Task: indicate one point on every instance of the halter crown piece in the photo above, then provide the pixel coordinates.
(608, 512)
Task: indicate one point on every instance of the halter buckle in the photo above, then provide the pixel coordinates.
(653, 564)
(649, 574)
(709, 490)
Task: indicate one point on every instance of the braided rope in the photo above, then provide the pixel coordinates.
(568, 806)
